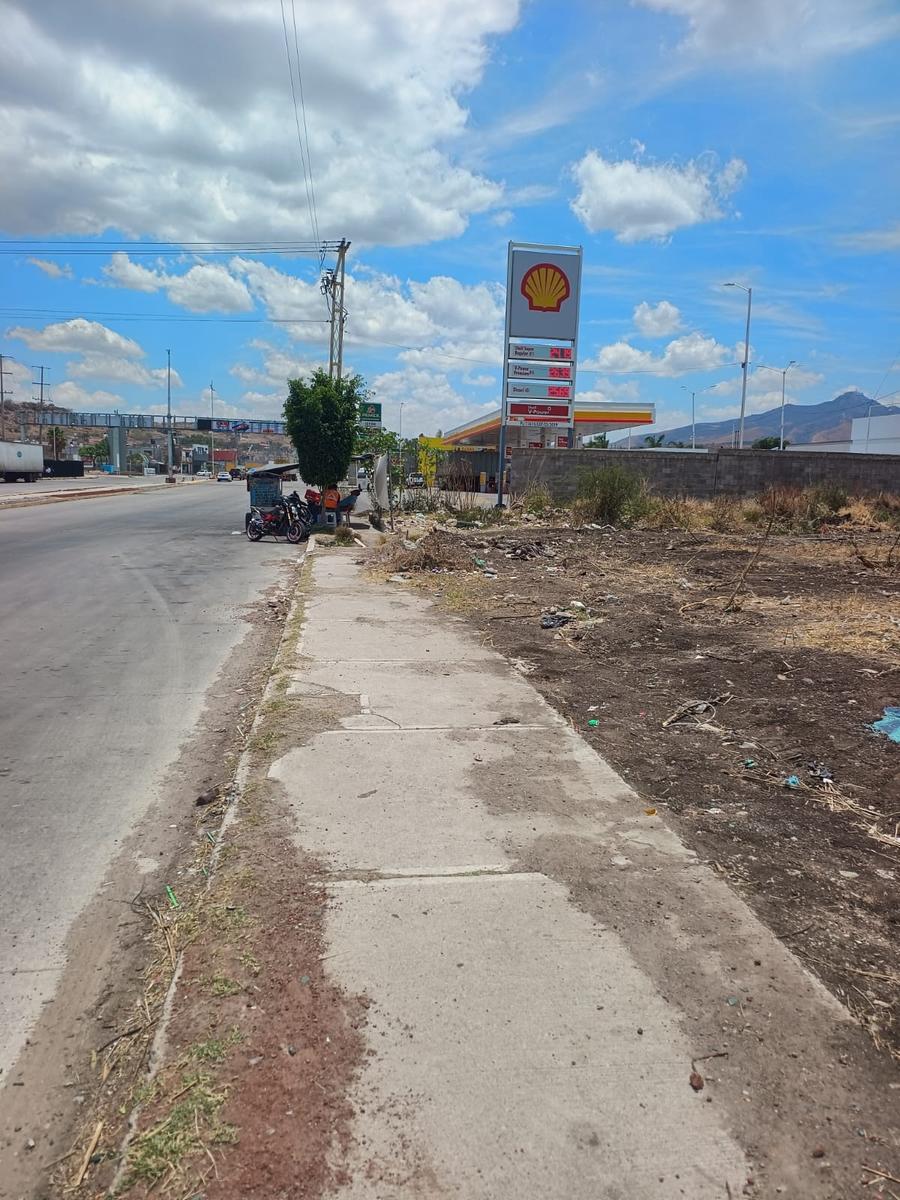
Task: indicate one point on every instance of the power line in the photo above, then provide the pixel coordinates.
(305, 127)
(43, 314)
(306, 176)
(53, 248)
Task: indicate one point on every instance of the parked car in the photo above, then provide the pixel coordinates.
(415, 480)
(203, 475)
(223, 477)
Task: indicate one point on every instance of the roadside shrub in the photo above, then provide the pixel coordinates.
(886, 510)
(537, 500)
(798, 510)
(611, 496)
(343, 536)
(830, 496)
(725, 514)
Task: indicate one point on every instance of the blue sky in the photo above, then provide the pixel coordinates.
(683, 143)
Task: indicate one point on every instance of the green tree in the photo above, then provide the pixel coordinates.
(56, 441)
(654, 440)
(767, 443)
(321, 422)
(600, 442)
(98, 451)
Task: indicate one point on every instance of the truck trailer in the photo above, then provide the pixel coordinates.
(21, 460)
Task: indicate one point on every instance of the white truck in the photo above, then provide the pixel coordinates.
(21, 460)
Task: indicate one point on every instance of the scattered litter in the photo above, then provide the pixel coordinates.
(696, 1081)
(210, 838)
(209, 796)
(818, 770)
(749, 763)
(649, 812)
(173, 899)
(480, 562)
(849, 874)
(889, 724)
(555, 620)
(507, 721)
(593, 707)
(696, 708)
(733, 1001)
(792, 781)
(304, 979)
(593, 722)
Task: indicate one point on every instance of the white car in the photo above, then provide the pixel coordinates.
(223, 477)
(203, 475)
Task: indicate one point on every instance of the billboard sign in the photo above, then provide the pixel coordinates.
(538, 411)
(370, 415)
(544, 293)
(541, 390)
(539, 370)
(536, 351)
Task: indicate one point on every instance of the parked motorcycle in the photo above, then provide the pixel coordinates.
(283, 520)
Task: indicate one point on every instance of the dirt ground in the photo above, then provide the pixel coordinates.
(708, 708)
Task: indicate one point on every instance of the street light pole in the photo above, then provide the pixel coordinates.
(212, 432)
(746, 363)
(782, 371)
(170, 449)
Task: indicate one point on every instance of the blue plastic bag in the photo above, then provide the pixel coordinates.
(889, 724)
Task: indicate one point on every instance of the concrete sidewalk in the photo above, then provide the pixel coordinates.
(524, 1043)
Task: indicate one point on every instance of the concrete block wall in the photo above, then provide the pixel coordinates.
(719, 473)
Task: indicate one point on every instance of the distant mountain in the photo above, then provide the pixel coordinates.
(825, 422)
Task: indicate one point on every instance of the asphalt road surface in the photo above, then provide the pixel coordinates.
(117, 615)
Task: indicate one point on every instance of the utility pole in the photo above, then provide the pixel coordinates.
(212, 434)
(170, 448)
(40, 383)
(333, 287)
(745, 365)
(2, 401)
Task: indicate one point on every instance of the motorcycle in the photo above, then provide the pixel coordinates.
(284, 520)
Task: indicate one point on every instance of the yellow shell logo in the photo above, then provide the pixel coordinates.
(545, 287)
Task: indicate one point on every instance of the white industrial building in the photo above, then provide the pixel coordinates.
(868, 435)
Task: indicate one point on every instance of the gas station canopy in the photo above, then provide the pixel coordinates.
(591, 417)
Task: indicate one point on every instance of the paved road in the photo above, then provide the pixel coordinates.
(117, 616)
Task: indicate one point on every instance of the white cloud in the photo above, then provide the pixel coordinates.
(121, 370)
(692, 352)
(657, 320)
(176, 122)
(430, 401)
(206, 287)
(873, 241)
(763, 392)
(53, 269)
(278, 366)
(77, 335)
(639, 202)
(72, 395)
(777, 32)
(441, 315)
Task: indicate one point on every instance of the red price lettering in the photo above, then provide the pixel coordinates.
(560, 373)
(559, 393)
(560, 351)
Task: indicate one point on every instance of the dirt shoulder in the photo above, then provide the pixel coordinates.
(791, 674)
(230, 1073)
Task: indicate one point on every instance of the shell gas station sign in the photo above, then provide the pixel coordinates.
(543, 290)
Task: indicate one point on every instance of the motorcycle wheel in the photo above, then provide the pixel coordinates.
(254, 530)
(294, 533)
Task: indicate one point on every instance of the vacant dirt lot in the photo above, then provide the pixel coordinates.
(741, 705)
